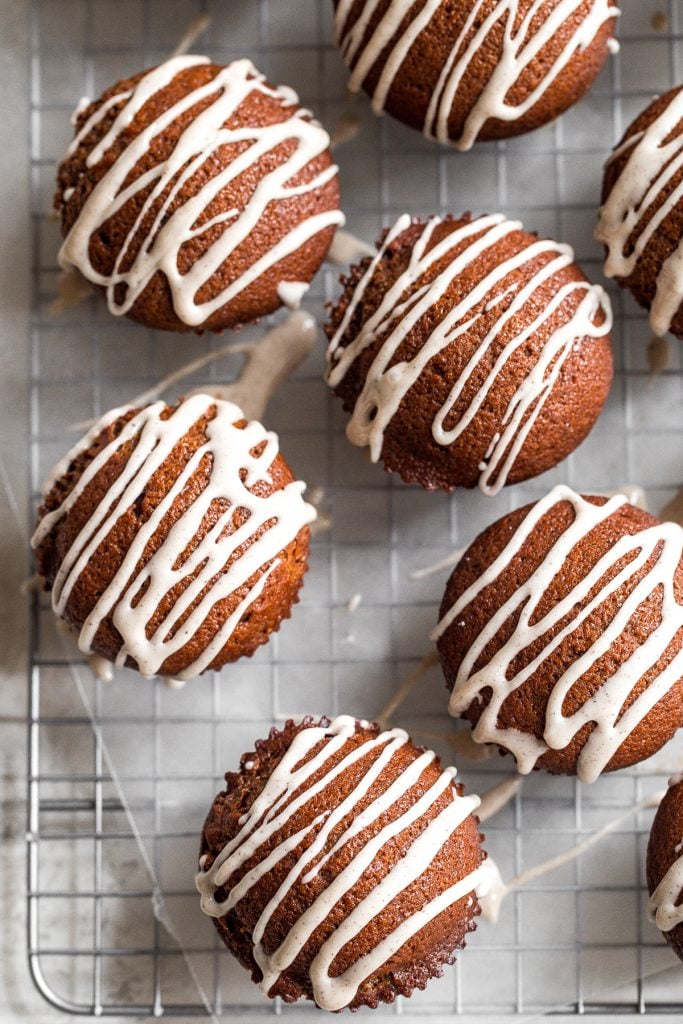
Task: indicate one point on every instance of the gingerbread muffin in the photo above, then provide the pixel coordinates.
(173, 540)
(476, 69)
(469, 352)
(561, 634)
(665, 866)
(641, 219)
(197, 197)
(342, 864)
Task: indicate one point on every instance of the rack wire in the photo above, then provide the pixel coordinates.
(121, 773)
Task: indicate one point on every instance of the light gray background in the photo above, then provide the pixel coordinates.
(18, 999)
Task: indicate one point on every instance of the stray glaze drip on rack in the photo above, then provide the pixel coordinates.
(429, 661)
(498, 890)
(624, 226)
(268, 361)
(387, 383)
(278, 802)
(444, 563)
(664, 907)
(173, 227)
(100, 667)
(611, 727)
(520, 47)
(495, 799)
(347, 248)
(132, 597)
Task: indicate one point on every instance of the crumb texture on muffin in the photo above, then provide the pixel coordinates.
(470, 352)
(476, 68)
(173, 539)
(665, 866)
(197, 196)
(342, 864)
(641, 219)
(561, 634)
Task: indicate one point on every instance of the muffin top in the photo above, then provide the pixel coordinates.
(478, 69)
(561, 634)
(641, 219)
(162, 527)
(191, 192)
(469, 351)
(341, 863)
(665, 866)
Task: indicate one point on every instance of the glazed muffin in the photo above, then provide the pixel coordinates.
(665, 866)
(476, 69)
(469, 352)
(173, 540)
(197, 197)
(561, 634)
(641, 219)
(342, 864)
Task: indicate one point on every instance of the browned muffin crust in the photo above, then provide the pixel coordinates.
(642, 282)
(264, 614)
(569, 412)
(154, 307)
(418, 960)
(525, 708)
(412, 89)
(664, 848)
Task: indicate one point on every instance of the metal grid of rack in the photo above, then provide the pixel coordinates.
(115, 810)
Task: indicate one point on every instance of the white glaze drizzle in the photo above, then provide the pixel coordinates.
(100, 668)
(517, 53)
(412, 296)
(287, 790)
(173, 683)
(347, 248)
(651, 165)
(605, 706)
(662, 906)
(290, 293)
(133, 598)
(195, 149)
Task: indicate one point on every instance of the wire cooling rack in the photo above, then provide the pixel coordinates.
(122, 773)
